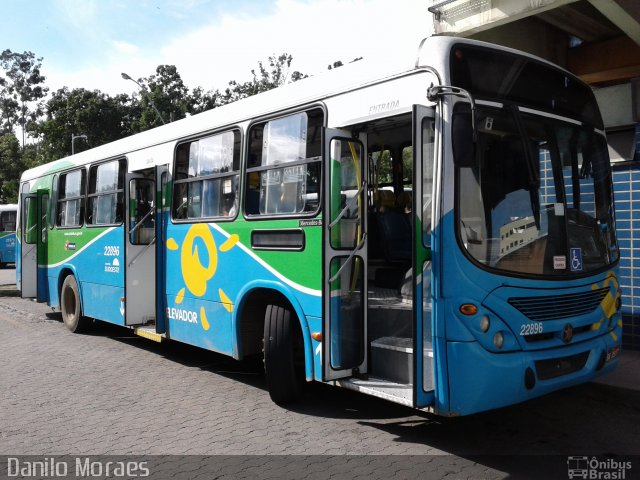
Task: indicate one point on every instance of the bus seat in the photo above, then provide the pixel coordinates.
(384, 200)
(395, 236)
(405, 202)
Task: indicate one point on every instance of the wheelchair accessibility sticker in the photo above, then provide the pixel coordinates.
(575, 256)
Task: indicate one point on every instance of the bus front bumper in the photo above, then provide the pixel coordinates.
(480, 380)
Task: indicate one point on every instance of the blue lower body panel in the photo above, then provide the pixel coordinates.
(480, 380)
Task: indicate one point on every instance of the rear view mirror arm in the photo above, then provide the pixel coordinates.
(436, 92)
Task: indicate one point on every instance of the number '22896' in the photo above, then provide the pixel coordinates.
(531, 328)
(111, 251)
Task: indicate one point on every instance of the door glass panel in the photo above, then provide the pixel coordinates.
(428, 138)
(31, 224)
(44, 220)
(346, 328)
(427, 334)
(142, 220)
(346, 201)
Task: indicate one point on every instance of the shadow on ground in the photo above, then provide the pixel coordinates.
(528, 440)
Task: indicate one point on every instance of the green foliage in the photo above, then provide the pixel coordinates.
(100, 117)
(21, 90)
(10, 167)
(267, 78)
(163, 97)
(202, 101)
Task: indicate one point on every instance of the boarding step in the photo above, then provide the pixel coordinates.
(381, 388)
(392, 359)
(149, 332)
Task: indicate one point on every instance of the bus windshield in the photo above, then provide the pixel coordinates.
(537, 199)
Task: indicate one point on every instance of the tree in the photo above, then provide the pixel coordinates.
(100, 117)
(167, 92)
(201, 101)
(269, 77)
(338, 63)
(21, 91)
(10, 167)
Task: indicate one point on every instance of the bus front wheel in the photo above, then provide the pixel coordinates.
(283, 355)
(70, 306)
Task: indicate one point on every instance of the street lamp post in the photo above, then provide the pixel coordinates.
(144, 92)
(74, 137)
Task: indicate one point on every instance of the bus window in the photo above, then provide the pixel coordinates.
(207, 175)
(8, 221)
(71, 199)
(283, 174)
(106, 198)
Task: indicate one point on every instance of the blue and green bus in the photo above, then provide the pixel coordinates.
(439, 234)
(8, 214)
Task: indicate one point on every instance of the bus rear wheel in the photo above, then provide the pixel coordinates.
(283, 355)
(70, 306)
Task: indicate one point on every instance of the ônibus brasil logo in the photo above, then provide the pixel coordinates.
(592, 468)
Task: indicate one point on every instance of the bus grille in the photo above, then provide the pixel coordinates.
(555, 307)
(556, 367)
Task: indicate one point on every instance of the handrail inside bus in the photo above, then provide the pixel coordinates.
(146, 247)
(358, 247)
(137, 225)
(348, 205)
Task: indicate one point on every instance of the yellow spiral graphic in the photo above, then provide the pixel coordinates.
(195, 274)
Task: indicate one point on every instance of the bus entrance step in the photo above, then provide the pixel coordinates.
(392, 358)
(149, 333)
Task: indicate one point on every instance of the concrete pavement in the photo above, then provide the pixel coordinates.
(627, 375)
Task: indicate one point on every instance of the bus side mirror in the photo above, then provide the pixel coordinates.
(463, 128)
(464, 139)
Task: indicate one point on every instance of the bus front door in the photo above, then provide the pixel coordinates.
(344, 346)
(140, 255)
(424, 173)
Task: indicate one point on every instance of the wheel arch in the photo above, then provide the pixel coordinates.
(249, 316)
(65, 271)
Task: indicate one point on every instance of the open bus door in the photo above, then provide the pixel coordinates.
(344, 346)
(140, 251)
(163, 200)
(423, 205)
(33, 243)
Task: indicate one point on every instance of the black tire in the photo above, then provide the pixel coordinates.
(70, 306)
(283, 355)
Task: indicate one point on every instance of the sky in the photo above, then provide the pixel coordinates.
(89, 43)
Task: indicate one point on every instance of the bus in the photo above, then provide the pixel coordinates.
(8, 214)
(439, 234)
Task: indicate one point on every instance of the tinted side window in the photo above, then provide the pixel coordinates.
(71, 189)
(206, 177)
(106, 193)
(283, 174)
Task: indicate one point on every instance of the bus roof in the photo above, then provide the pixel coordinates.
(309, 90)
(313, 89)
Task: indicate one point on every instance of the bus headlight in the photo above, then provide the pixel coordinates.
(498, 340)
(485, 323)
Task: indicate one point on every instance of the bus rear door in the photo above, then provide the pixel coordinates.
(33, 245)
(140, 255)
